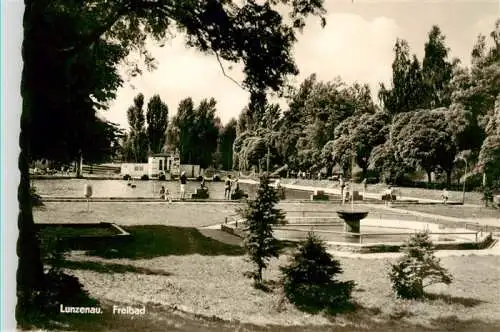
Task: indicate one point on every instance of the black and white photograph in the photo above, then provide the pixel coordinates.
(256, 165)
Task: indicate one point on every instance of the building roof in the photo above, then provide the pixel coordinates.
(161, 155)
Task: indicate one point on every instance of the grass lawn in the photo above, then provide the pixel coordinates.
(190, 282)
(214, 287)
(125, 213)
(156, 241)
(67, 231)
(192, 279)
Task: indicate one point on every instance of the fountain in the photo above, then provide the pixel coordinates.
(352, 219)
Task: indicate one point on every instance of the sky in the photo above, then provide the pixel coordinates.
(356, 44)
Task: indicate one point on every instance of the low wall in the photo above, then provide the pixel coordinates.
(232, 231)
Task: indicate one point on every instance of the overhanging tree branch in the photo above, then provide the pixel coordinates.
(125, 7)
(224, 72)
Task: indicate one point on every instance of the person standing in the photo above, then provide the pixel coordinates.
(445, 195)
(389, 193)
(364, 187)
(227, 187)
(346, 197)
(183, 181)
(342, 186)
(162, 193)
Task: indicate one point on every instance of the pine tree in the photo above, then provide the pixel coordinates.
(418, 268)
(309, 280)
(260, 215)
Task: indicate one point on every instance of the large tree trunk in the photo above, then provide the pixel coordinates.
(365, 172)
(79, 166)
(30, 276)
(448, 177)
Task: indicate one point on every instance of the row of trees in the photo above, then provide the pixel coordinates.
(435, 115)
(196, 132)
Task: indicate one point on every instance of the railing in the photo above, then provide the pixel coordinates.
(475, 229)
(366, 235)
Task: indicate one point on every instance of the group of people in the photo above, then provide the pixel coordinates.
(230, 187)
(165, 193)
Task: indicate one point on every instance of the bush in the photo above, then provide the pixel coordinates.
(59, 288)
(309, 281)
(487, 196)
(127, 177)
(144, 177)
(162, 177)
(216, 178)
(36, 200)
(417, 269)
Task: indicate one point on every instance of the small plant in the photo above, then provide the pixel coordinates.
(58, 287)
(418, 268)
(309, 280)
(36, 200)
(144, 177)
(126, 177)
(487, 196)
(260, 215)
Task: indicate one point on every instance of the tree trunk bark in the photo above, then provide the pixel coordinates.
(30, 276)
(448, 177)
(79, 166)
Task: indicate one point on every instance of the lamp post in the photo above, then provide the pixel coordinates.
(465, 180)
(267, 159)
(465, 177)
(352, 183)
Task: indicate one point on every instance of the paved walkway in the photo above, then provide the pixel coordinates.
(493, 251)
(336, 191)
(475, 221)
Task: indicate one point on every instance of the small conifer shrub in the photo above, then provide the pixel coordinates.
(260, 215)
(417, 269)
(309, 280)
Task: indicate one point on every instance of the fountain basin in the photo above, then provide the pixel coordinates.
(352, 220)
(349, 216)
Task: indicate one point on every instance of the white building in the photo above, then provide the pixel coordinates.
(165, 164)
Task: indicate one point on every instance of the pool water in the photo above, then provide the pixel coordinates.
(119, 188)
(151, 188)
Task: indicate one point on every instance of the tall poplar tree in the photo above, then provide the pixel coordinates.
(157, 119)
